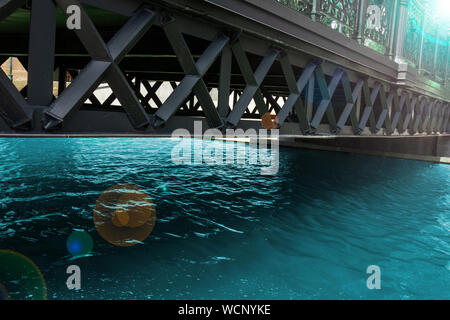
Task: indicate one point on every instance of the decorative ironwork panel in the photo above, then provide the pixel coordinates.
(340, 14)
(441, 61)
(429, 47)
(379, 15)
(413, 33)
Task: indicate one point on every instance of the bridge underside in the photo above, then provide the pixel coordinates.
(149, 67)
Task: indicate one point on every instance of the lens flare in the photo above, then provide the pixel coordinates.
(431, 19)
(20, 278)
(4, 295)
(269, 121)
(124, 215)
(80, 243)
(441, 9)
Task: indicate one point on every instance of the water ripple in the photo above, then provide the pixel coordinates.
(226, 231)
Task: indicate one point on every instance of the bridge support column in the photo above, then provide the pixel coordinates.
(41, 52)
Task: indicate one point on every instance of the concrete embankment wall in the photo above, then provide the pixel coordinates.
(425, 148)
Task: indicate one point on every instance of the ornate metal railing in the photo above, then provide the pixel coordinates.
(413, 40)
(380, 31)
(401, 29)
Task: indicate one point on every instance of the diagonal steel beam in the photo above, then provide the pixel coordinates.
(309, 92)
(253, 81)
(295, 88)
(79, 91)
(127, 97)
(95, 102)
(418, 116)
(136, 86)
(349, 109)
(397, 118)
(193, 81)
(327, 91)
(271, 101)
(104, 65)
(12, 104)
(109, 100)
(384, 118)
(88, 34)
(7, 7)
(130, 34)
(435, 115)
(427, 119)
(446, 127)
(441, 118)
(408, 123)
(368, 115)
(151, 92)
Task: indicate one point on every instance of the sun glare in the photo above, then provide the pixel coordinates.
(442, 9)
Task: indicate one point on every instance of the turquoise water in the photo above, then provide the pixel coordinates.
(227, 232)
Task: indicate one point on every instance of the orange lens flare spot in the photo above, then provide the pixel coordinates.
(124, 215)
(269, 121)
(120, 218)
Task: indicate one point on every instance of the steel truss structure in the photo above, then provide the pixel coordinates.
(240, 67)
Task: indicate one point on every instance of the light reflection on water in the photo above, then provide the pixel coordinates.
(227, 232)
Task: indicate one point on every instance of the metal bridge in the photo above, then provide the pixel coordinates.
(362, 73)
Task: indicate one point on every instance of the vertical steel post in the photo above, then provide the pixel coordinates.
(315, 10)
(402, 24)
(224, 82)
(361, 21)
(447, 61)
(41, 52)
(435, 56)
(422, 39)
(392, 29)
(310, 98)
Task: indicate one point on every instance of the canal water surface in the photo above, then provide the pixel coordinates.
(228, 232)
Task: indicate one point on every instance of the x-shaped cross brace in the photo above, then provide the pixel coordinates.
(418, 116)
(427, 120)
(327, 91)
(368, 115)
(349, 109)
(435, 114)
(295, 89)
(253, 81)
(385, 107)
(441, 118)
(446, 127)
(193, 81)
(411, 105)
(104, 65)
